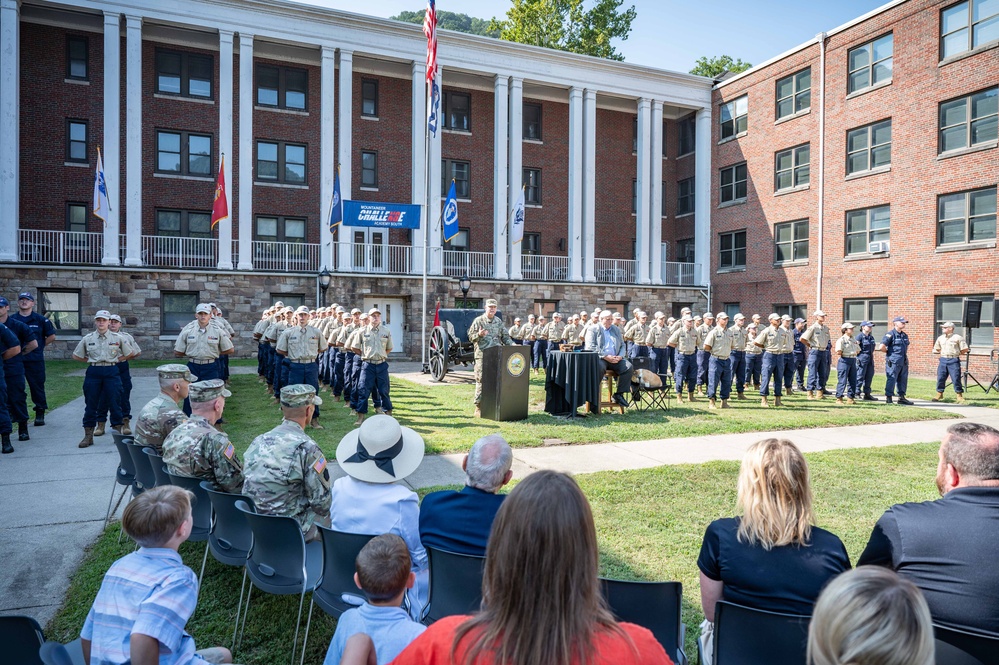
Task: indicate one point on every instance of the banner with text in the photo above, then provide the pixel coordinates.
(381, 215)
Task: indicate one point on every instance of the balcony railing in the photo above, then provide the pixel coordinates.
(544, 268)
(384, 259)
(473, 264)
(614, 271)
(61, 247)
(285, 256)
(676, 273)
(171, 252)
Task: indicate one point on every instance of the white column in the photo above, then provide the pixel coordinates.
(345, 129)
(589, 183)
(245, 151)
(112, 129)
(10, 123)
(133, 140)
(644, 189)
(575, 231)
(656, 197)
(516, 164)
(501, 108)
(225, 144)
(435, 242)
(702, 194)
(418, 140)
(327, 154)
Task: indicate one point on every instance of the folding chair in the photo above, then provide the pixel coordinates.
(652, 605)
(644, 394)
(201, 510)
(56, 653)
(125, 475)
(340, 551)
(156, 461)
(455, 584)
(960, 647)
(744, 636)
(21, 637)
(144, 476)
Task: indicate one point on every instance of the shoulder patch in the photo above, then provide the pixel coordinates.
(320, 464)
(229, 451)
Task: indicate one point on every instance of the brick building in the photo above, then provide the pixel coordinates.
(606, 152)
(857, 173)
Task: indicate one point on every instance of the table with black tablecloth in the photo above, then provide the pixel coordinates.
(572, 379)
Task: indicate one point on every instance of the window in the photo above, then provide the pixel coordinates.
(634, 134)
(77, 58)
(687, 127)
(293, 300)
(969, 121)
(184, 153)
(791, 241)
(791, 168)
(731, 308)
(546, 308)
(966, 216)
(968, 25)
(869, 147)
(177, 310)
(183, 224)
(279, 229)
(873, 310)
(735, 117)
(870, 63)
(685, 250)
(76, 217)
(634, 196)
(281, 162)
(866, 226)
(76, 141)
(459, 172)
(459, 243)
(369, 169)
(951, 308)
(62, 308)
(532, 186)
(458, 111)
(733, 183)
(794, 93)
(184, 74)
(733, 250)
(369, 98)
(282, 87)
(794, 311)
(685, 197)
(677, 308)
(531, 244)
(532, 122)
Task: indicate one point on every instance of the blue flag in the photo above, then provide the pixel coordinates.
(434, 104)
(450, 215)
(336, 205)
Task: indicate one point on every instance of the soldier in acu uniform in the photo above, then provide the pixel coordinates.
(486, 332)
(300, 345)
(162, 413)
(195, 449)
(285, 471)
(950, 347)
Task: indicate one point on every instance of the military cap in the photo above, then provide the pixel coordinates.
(491, 302)
(785, 317)
(948, 324)
(102, 314)
(340, 310)
(299, 394)
(364, 315)
(739, 316)
(374, 310)
(203, 307)
(798, 320)
(289, 310)
(279, 304)
(213, 305)
(697, 317)
(4, 302)
(819, 312)
(206, 391)
(900, 319)
(176, 371)
(115, 317)
(355, 311)
(774, 317)
(302, 310)
(846, 324)
(24, 295)
(686, 317)
(708, 315)
(558, 314)
(722, 315)
(866, 324)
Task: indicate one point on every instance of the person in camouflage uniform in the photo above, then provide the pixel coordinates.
(486, 332)
(286, 471)
(195, 449)
(162, 413)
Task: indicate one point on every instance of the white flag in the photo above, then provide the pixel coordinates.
(517, 219)
(102, 206)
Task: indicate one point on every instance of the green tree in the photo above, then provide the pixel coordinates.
(715, 67)
(452, 21)
(567, 25)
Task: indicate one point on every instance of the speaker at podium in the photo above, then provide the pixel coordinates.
(505, 383)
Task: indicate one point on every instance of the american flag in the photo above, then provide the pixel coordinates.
(430, 30)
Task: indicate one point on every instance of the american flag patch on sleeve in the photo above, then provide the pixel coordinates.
(229, 451)
(320, 464)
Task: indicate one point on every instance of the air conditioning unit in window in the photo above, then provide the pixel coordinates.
(878, 247)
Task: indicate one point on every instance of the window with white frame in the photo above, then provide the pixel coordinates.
(62, 308)
(459, 172)
(532, 186)
(369, 169)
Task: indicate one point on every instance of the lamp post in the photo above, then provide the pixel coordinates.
(464, 283)
(324, 283)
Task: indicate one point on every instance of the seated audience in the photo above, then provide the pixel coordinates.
(461, 521)
(870, 616)
(383, 574)
(147, 596)
(375, 456)
(948, 547)
(607, 340)
(162, 413)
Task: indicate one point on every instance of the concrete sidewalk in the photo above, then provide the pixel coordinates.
(55, 495)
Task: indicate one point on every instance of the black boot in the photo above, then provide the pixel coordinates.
(7, 448)
(39, 418)
(22, 431)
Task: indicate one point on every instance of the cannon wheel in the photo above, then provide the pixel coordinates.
(438, 353)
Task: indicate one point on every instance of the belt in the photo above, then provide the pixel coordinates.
(950, 357)
(197, 361)
(103, 364)
(374, 362)
(725, 357)
(302, 362)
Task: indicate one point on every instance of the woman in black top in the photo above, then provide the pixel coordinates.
(772, 557)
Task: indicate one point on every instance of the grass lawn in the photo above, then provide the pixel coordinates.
(650, 524)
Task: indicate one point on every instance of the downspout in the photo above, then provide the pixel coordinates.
(821, 37)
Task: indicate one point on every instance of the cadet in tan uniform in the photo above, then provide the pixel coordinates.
(300, 346)
(754, 356)
(540, 344)
(703, 357)
(636, 331)
(202, 342)
(373, 344)
(102, 350)
(718, 343)
(950, 347)
(771, 340)
(846, 366)
(787, 342)
(684, 341)
(230, 331)
(656, 339)
(739, 339)
(514, 330)
(816, 339)
(279, 371)
(486, 332)
(626, 331)
(570, 334)
(258, 332)
(553, 333)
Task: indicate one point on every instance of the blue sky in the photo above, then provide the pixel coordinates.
(672, 34)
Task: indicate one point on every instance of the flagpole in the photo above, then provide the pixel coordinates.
(426, 233)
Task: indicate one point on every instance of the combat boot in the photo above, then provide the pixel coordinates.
(777, 401)
(315, 424)
(711, 403)
(125, 429)
(839, 401)
(690, 396)
(741, 396)
(7, 447)
(22, 431)
(116, 428)
(811, 394)
(88, 437)
(850, 400)
(39, 418)
(478, 412)
(99, 430)
(725, 404)
(764, 403)
(360, 419)
(938, 398)
(820, 394)
(679, 398)
(960, 397)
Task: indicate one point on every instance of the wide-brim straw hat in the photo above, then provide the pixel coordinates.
(380, 451)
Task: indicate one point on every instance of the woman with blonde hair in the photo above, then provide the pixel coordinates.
(871, 616)
(772, 557)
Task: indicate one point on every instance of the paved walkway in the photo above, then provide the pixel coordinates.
(55, 496)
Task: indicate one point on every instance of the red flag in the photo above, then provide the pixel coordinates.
(437, 314)
(430, 30)
(220, 207)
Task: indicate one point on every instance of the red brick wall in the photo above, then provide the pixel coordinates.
(617, 165)
(551, 219)
(477, 149)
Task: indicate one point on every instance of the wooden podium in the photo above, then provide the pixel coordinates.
(505, 383)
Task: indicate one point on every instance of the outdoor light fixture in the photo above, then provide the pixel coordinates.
(324, 278)
(464, 283)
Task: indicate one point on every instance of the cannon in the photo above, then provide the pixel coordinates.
(449, 344)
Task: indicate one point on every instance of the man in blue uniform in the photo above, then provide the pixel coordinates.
(865, 360)
(799, 354)
(13, 370)
(34, 362)
(9, 348)
(896, 345)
